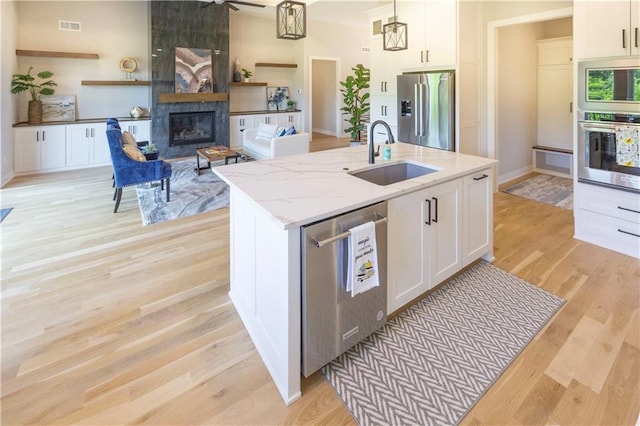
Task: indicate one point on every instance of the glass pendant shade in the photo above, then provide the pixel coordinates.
(395, 36)
(291, 20)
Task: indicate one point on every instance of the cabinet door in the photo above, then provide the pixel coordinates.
(634, 31)
(602, 28)
(290, 119)
(99, 147)
(27, 148)
(555, 106)
(141, 130)
(408, 273)
(445, 231)
(477, 213)
(237, 125)
(266, 119)
(77, 145)
(384, 108)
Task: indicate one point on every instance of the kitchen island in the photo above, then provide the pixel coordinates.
(271, 200)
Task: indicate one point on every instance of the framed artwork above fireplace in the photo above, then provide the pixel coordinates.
(193, 70)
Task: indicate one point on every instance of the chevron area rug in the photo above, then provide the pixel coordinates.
(430, 364)
(190, 194)
(548, 189)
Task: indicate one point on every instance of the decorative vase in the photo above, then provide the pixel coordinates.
(136, 112)
(236, 71)
(246, 80)
(35, 112)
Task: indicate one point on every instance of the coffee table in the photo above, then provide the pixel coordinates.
(215, 153)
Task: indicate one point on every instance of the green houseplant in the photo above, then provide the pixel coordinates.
(41, 84)
(355, 96)
(246, 74)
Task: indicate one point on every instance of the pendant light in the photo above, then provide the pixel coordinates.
(394, 33)
(291, 20)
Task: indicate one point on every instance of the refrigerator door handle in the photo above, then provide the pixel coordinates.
(423, 89)
(417, 107)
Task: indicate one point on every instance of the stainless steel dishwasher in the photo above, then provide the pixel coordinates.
(332, 320)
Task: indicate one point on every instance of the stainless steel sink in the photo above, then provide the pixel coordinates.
(387, 174)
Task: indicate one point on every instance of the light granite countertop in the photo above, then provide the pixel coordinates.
(301, 189)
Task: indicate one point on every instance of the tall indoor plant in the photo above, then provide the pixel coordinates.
(355, 96)
(43, 85)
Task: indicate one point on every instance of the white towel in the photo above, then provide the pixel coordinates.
(627, 146)
(362, 271)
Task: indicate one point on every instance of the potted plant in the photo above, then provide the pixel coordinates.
(355, 96)
(291, 105)
(41, 86)
(246, 74)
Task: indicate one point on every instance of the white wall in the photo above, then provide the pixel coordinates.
(112, 29)
(8, 101)
(517, 78)
(324, 101)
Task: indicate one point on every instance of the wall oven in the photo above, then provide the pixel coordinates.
(608, 150)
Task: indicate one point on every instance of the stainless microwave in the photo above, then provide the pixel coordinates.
(609, 85)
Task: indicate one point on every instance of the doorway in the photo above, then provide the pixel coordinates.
(513, 98)
(324, 96)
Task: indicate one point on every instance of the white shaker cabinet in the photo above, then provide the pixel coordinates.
(432, 34)
(87, 145)
(477, 216)
(289, 119)
(237, 125)
(435, 232)
(266, 119)
(141, 130)
(555, 93)
(424, 237)
(39, 148)
(606, 28)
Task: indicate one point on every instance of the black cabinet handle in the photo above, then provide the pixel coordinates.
(481, 177)
(435, 217)
(428, 221)
(624, 38)
(628, 233)
(628, 210)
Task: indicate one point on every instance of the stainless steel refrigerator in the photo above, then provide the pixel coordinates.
(426, 113)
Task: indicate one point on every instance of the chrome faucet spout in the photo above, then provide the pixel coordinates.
(372, 155)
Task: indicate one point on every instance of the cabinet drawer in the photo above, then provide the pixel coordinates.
(616, 204)
(612, 233)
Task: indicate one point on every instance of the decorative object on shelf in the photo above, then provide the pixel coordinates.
(236, 71)
(395, 34)
(230, 4)
(59, 108)
(291, 20)
(193, 70)
(277, 98)
(356, 100)
(136, 112)
(44, 86)
(128, 66)
(291, 105)
(246, 74)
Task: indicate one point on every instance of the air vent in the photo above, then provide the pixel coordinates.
(68, 26)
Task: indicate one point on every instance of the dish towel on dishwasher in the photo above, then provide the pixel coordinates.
(628, 146)
(362, 272)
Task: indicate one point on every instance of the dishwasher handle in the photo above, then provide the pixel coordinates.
(322, 243)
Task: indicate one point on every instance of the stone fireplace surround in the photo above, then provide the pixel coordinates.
(187, 24)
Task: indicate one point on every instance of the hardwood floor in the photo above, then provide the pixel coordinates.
(108, 322)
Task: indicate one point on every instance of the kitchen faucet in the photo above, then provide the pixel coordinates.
(389, 134)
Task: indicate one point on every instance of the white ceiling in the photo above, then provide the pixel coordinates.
(338, 11)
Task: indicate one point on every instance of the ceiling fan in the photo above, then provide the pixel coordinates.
(230, 3)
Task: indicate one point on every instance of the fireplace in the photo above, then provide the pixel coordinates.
(190, 128)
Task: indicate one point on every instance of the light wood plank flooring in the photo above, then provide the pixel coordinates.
(108, 322)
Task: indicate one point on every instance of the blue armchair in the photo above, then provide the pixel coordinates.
(127, 172)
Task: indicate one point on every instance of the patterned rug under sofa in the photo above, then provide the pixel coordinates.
(190, 194)
(430, 364)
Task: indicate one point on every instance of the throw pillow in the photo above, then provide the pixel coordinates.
(290, 131)
(133, 152)
(128, 139)
(281, 131)
(266, 132)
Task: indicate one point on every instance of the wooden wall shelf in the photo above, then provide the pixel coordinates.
(116, 83)
(256, 84)
(165, 98)
(47, 54)
(275, 65)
